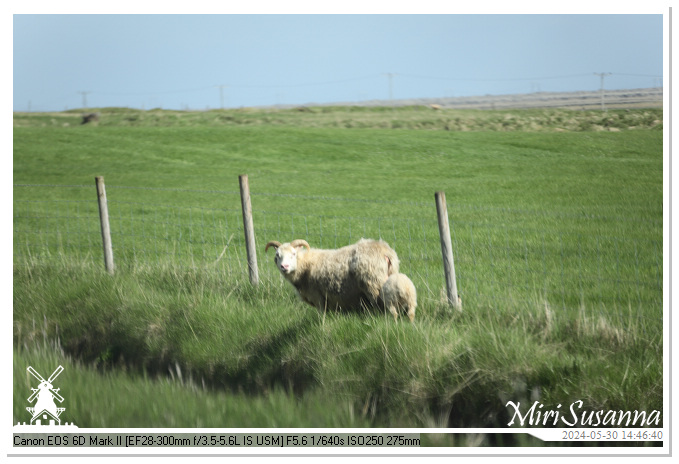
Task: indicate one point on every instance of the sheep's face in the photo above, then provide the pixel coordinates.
(287, 254)
(286, 258)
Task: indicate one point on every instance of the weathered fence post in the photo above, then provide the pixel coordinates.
(249, 229)
(447, 250)
(105, 227)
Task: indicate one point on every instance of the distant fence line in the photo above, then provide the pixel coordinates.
(453, 207)
(567, 267)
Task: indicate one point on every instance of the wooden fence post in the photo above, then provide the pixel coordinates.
(105, 226)
(249, 229)
(447, 250)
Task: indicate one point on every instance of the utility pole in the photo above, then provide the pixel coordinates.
(602, 75)
(390, 76)
(84, 94)
(221, 95)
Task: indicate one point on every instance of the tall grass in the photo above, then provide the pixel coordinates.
(346, 117)
(114, 398)
(225, 335)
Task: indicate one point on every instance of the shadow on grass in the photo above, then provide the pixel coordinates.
(264, 367)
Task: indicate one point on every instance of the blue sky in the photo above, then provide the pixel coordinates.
(179, 61)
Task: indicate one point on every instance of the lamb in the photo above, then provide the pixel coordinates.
(398, 294)
(347, 278)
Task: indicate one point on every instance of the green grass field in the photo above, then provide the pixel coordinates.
(557, 234)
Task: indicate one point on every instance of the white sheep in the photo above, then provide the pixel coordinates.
(347, 278)
(398, 294)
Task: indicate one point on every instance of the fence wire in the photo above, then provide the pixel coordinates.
(518, 255)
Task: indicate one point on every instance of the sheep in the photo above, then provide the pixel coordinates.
(398, 294)
(348, 278)
(89, 117)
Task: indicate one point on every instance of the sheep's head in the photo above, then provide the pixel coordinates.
(286, 254)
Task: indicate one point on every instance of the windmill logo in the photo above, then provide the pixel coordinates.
(45, 412)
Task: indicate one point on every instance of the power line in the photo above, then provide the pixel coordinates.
(639, 75)
(251, 86)
(570, 76)
(167, 92)
(359, 78)
(308, 84)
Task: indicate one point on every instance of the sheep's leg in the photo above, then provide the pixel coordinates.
(411, 314)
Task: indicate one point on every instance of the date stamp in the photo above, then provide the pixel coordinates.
(602, 435)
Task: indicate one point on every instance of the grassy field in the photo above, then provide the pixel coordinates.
(556, 227)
